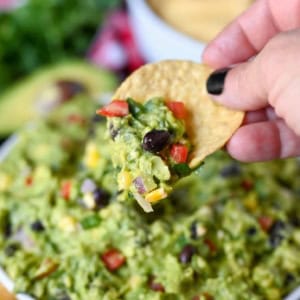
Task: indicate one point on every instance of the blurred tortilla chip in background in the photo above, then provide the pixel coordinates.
(179, 29)
(202, 20)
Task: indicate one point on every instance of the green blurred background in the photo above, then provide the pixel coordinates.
(47, 31)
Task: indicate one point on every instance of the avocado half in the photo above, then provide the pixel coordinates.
(23, 101)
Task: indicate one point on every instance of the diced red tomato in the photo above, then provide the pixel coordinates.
(76, 119)
(28, 180)
(265, 223)
(117, 108)
(179, 153)
(113, 259)
(211, 245)
(65, 190)
(247, 184)
(177, 108)
(156, 286)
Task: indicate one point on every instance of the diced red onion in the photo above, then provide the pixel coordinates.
(139, 184)
(23, 238)
(88, 186)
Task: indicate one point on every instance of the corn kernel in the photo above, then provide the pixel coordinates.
(88, 200)
(5, 182)
(67, 224)
(250, 202)
(124, 180)
(92, 160)
(156, 195)
(92, 156)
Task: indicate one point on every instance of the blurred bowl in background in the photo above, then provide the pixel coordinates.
(179, 29)
(157, 39)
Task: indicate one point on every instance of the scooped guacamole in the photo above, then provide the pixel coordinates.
(232, 231)
(150, 147)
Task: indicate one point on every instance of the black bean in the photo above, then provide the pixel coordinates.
(69, 89)
(277, 226)
(37, 226)
(275, 240)
(2, 140)
(156, 140)
(289, 278)
(101, 198)
(11, 249)
(295, 221)
(232, 170)
(276, 233)
(113, 131)
(7, 230)
(194, 230)
(187, 253)
(251, 231)
(284, 183)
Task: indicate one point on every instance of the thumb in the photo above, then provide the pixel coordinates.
(239, 87)
(271, 78)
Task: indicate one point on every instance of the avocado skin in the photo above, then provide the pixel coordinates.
(18, 103)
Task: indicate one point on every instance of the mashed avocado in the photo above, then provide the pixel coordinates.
(150, 147)
(231, 231)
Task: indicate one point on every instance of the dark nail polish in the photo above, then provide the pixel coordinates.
(215, 82)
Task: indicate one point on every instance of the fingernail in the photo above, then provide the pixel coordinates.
(215, 82)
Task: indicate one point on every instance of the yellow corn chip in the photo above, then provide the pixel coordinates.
(209, 125)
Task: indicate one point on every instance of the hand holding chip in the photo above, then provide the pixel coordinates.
(263, 46)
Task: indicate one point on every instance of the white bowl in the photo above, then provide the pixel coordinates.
(156, 39)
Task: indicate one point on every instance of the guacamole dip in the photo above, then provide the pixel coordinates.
(231, 231)
(150, 147)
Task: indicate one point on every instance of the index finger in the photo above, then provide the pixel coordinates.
(249, 33)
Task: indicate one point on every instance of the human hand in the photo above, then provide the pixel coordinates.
(267, 86)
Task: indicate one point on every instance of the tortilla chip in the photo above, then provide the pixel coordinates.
(209, 125)
(5, 295)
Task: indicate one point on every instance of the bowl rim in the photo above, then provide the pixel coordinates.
(144, 7)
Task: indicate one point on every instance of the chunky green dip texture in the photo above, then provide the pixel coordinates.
(230, 232)
(141, 147)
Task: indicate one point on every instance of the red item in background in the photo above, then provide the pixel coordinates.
(179, 153)
(211, 245)
(114, 46)
(66, 190)
(177, 108)
(8, 4)
(265, 223)
(113, 259)
(28, 180)
(76, 119)
(116, 108)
